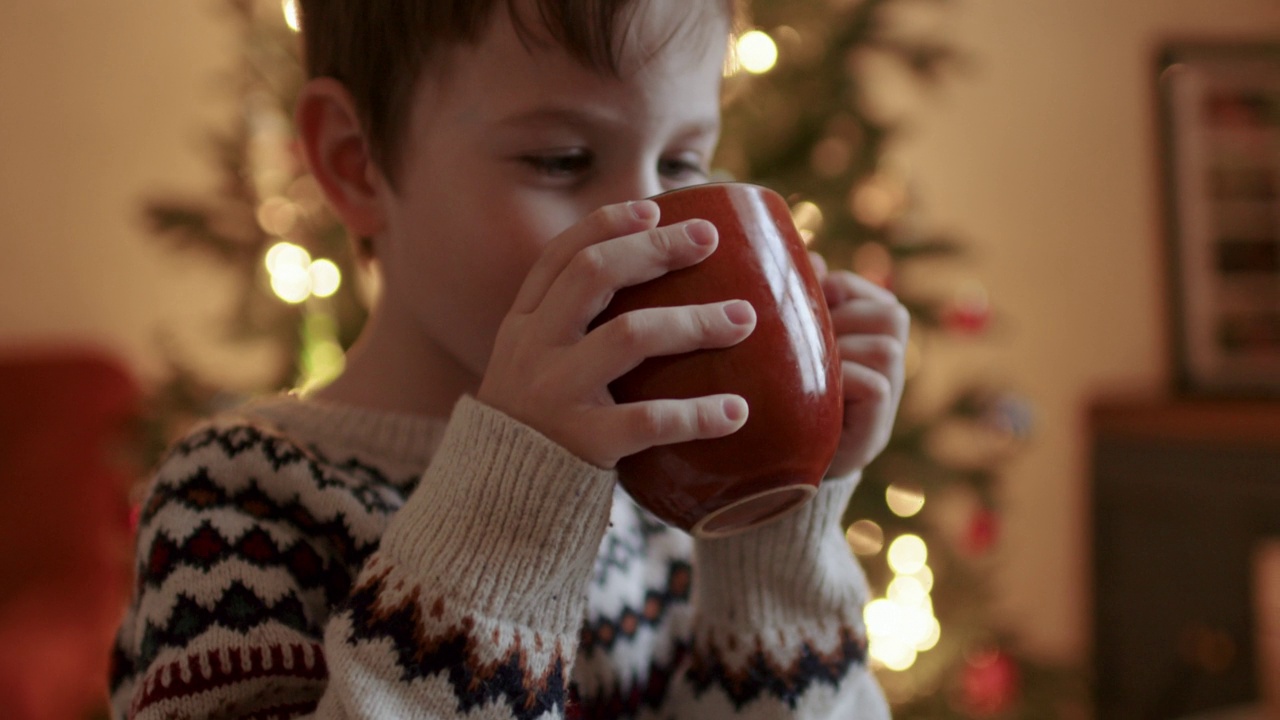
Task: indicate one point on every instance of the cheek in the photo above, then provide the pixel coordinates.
(519, 234)
(488, 267)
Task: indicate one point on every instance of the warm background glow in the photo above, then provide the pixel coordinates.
(1041, 158)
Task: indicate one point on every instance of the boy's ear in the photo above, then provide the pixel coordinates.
(339, 155)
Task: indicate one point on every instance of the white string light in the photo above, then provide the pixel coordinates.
(756, 52)
(901, 625)
(296, 277)
(292, 17)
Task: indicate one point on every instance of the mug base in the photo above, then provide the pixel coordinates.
(753, 511)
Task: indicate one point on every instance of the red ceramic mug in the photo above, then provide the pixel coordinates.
(788, 370)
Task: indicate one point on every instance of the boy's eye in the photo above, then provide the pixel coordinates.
(566, 164)
(682, 168)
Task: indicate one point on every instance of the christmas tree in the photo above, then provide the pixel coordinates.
(801, 117)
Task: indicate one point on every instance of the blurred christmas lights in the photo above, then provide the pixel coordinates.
(874, 262)
(865, 537)
(878, 200)
(755, 52)
(277, 215)
(831, 156)
(808, 218)
(905, 499)
(291, 15)
(901, 625)
(907, 554)
(296, 277)
(325, 278)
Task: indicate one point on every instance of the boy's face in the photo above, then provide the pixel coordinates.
(509, 145)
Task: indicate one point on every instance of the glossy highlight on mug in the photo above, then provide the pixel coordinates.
(788, 370)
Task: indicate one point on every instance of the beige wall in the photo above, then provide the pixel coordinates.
(101, 105)
(1042, 158)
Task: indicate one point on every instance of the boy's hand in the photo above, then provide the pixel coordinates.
(871, 329)
(550, 373)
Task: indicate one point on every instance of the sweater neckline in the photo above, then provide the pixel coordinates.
(397, 436)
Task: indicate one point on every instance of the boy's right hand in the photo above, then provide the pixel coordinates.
(550, 373)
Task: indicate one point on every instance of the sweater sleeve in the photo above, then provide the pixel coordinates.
(268, 588)
(778, 630)
(475, 599)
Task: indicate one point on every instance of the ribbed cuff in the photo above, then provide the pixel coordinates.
(795, 570)
(505, 520)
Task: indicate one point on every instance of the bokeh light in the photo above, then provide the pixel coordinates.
(924, 576)
(930, 639)
(893, 653)
(808, 218)
(831, 156)
(326, 278)
(877, 200)
(296, 277)
(901, 625)
(292, 17)
(873, 261)
(284, 257)
(291, 284)
(756, 52)
(277, 215)
(904, 498)
(907, 554)
(865, 537)
(907, 590)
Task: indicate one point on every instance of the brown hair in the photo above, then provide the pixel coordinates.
(378, 48)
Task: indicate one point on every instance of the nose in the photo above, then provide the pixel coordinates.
(636, 184)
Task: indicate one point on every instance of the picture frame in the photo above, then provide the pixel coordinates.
(1219, 113)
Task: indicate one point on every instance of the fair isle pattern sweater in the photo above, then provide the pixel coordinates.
(299, 558)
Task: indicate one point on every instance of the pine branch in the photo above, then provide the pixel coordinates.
(189, 225)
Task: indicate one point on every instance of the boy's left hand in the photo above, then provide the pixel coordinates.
(871, 329)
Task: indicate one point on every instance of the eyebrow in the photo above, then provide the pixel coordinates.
(556, 115)
(584, 117)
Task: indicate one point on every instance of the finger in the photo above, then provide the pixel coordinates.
(863, 385)
(819, 264)
(642, 425)
(627, 340)
(841, 286)
(880, 353)
(608, 222)
(588, 283)
(872, 317)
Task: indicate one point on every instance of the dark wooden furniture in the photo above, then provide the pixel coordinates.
(1182, 492)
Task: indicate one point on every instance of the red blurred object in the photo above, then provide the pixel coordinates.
(66, 465)
(989, 683)
(966, 320)
(984, 530)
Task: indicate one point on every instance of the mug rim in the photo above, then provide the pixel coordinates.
(713, 184)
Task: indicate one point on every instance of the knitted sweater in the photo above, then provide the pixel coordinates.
(299, 558)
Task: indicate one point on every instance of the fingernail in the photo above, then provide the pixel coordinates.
(643, 209)
(739, 312)
(735, 409)
(701, 232)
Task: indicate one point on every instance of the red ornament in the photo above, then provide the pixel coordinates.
(989, 683)
(983, 531)
(969, 318)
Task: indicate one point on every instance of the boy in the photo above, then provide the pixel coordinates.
(438, 532)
